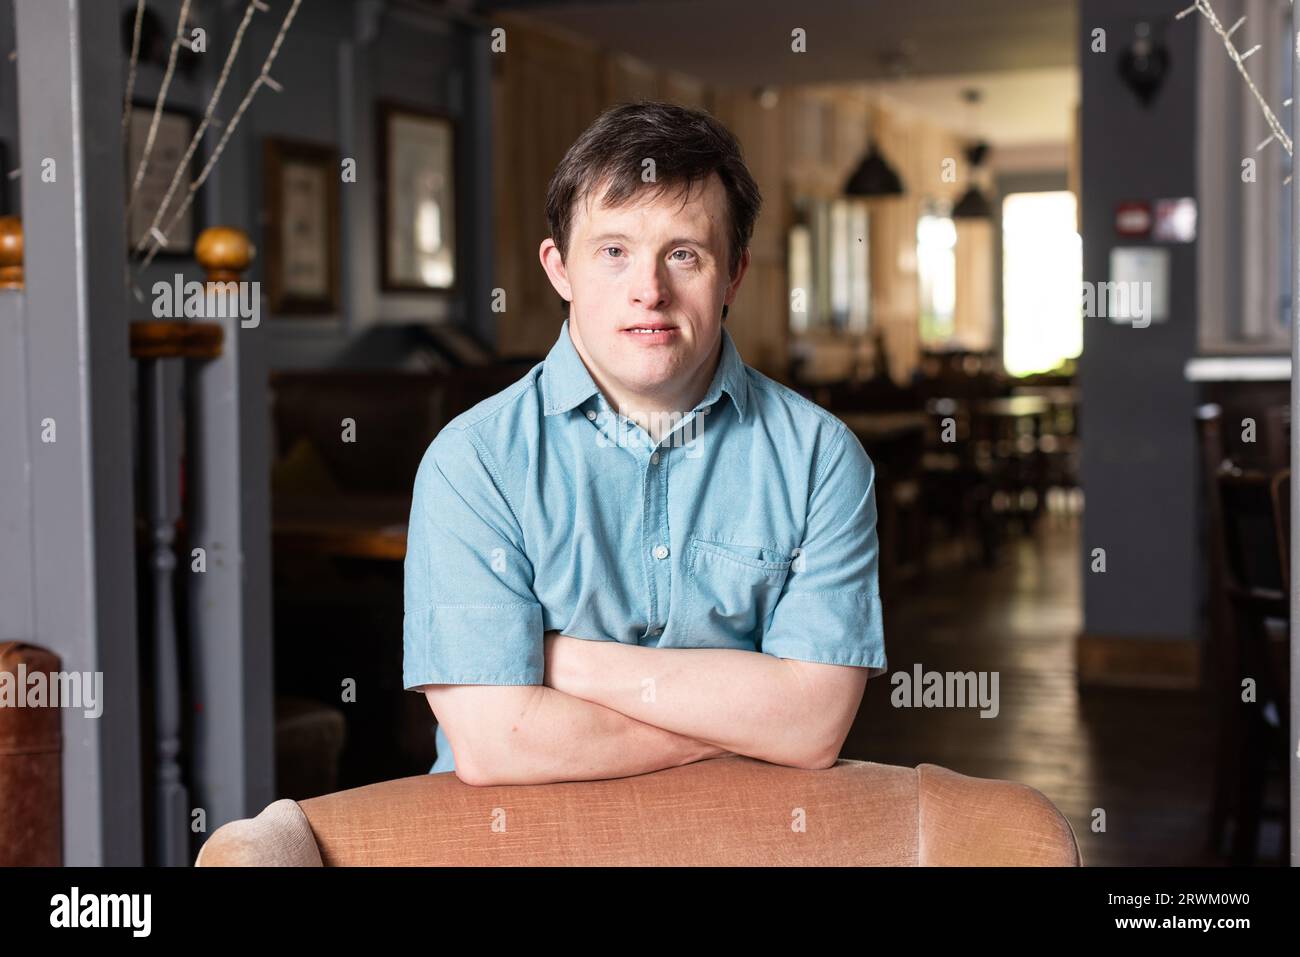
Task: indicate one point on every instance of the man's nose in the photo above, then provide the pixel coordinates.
(649, 287)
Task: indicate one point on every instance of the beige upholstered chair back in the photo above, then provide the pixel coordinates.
(726, 811)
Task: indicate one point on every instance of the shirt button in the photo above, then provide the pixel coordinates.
(654, 458)
(591, 415)
(657, 631)
(661, 551)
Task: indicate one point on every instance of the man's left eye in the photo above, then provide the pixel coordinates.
(687, 257)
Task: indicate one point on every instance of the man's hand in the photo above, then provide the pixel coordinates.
(566, 671)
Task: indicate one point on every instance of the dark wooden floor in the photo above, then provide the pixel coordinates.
(1142, 756)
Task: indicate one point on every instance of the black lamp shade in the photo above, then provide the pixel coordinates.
(972, 205)
(874, 177)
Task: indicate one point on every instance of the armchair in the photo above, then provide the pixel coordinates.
(725, 811)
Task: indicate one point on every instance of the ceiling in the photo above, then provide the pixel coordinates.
(746, 43)
(1020, 54)
(1017, 107)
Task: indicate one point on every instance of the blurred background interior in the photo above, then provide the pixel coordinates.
(1071, 500)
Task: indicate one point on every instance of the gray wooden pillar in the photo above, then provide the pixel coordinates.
(78, 378)
(230, 602)
(229, 482)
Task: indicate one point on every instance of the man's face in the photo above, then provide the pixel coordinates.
(646, 284)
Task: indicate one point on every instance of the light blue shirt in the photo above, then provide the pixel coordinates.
(751, 525)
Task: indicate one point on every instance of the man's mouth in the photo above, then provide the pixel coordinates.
(652, 328)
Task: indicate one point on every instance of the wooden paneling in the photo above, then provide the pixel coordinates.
(1131, 661)
(757, 321)
(973, 324)
(686, 90)
(546, 93)
(628, 80)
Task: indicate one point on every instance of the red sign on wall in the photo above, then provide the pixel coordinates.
(1133, 220)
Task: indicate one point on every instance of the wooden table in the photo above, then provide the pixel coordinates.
(374, 526)
(1010, 432)
(349, 526)
(1013, 407)
(883, 426)
(895, 442)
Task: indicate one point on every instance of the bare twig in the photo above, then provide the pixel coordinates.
(135, 58)
(184, 164)
(1208, 12)
(158, 106)
(262, 77)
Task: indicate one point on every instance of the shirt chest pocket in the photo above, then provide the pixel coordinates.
(730, 592)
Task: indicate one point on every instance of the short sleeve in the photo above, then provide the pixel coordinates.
(829, 610)
(471, 616)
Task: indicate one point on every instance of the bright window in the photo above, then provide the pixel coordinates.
(1042, 273)
(829, 266)
(936, 268)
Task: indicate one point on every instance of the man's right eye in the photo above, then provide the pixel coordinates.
(615, 249)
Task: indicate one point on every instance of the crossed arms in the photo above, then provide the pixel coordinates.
(609, 710)
(605, 709)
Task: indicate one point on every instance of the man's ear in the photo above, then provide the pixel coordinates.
(734, 285)
(556, 272)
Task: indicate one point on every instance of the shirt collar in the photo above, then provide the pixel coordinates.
(566, 383)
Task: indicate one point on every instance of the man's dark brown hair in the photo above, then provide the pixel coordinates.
(687, 146)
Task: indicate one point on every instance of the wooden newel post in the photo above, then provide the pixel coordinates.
(11, 252)
(224, 252)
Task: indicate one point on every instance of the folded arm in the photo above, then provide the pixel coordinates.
(532, 734)
(784, 711)
(472, 633)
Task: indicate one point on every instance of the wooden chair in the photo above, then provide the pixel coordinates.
(956, 484)
(31, 768)
(1281, 491)
(1218, 664)
(1255, 587)
(1276, 436)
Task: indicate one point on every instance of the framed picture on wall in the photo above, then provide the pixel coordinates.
(301, 217)
(417, 200)
(170, 142)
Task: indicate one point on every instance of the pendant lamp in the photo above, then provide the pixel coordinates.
(874, 176)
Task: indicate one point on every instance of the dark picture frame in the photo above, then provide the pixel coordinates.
(417, 200)
(300, 214)
(175, 130)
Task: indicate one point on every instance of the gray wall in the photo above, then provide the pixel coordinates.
(1138, 453)
(341, 58)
